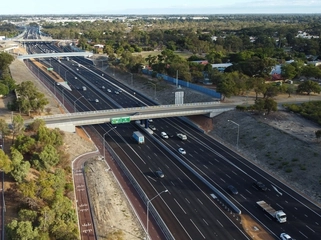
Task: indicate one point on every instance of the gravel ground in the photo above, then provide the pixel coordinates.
(281, 143)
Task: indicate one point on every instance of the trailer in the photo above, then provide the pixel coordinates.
(279, 215)
(139, 137)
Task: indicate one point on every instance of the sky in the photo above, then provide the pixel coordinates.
(38, 7)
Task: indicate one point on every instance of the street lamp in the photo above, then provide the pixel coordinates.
(66, 75)
(76, 101)
(148, 202)
(105, 140)
(238, 133)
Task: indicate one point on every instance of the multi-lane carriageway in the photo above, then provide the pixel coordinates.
(188, 209)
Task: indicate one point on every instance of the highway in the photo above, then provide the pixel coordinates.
(188, 208)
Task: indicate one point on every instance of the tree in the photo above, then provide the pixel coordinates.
(290, 89)
(27, 215)
(17, 126)
(308, 87)
(20, 167)
(5, 162)
(49, 136)
(22, 230)
(49, 157)
(267, 104)
(226, 87)
(4, 128)
(5, 60)
(29, 98)
(270, 91)
(288, 71)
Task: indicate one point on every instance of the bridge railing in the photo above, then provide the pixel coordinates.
(129, 109)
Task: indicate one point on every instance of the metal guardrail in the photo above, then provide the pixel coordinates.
(207, 183)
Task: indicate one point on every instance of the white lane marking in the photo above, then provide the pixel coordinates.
(187, 200)
(310, 228)
(179, 206)
(234, 173)
(211, 163)
(305, 215)
(172, 183)
(201, 150)
(317, 223)
(279, 206)
(228, 176)
(248, 191)
(216, 160)
(200, 201)
(243, 196)
(205, 166)
(295, 208)
(205, 222)
(220, 223)
(180, 180)
(303, 235)
(222, 180)
(197, 228)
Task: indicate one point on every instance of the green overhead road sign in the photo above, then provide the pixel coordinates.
(120, 120)
(50, 69)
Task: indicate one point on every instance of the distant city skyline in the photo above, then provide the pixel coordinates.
(39, 7)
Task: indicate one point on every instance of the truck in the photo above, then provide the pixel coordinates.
(182, 136)
(279, 215)
(139, 137)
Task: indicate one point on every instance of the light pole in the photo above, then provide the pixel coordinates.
(66, 75)
(148, 202)
(238, 133)
(105, 140)
(76, 101)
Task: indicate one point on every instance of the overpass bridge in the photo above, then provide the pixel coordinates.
(48, 55)
(68, 122)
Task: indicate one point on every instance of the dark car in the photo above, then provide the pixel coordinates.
(260, 186)
(160, 174)
(232, 189)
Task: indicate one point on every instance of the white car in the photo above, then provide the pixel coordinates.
(96, 100)
(182, 151)
(116, 92)
(285, 236)
(108, 90)
(164, 135)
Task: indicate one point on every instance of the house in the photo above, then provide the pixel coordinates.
(221, 66)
